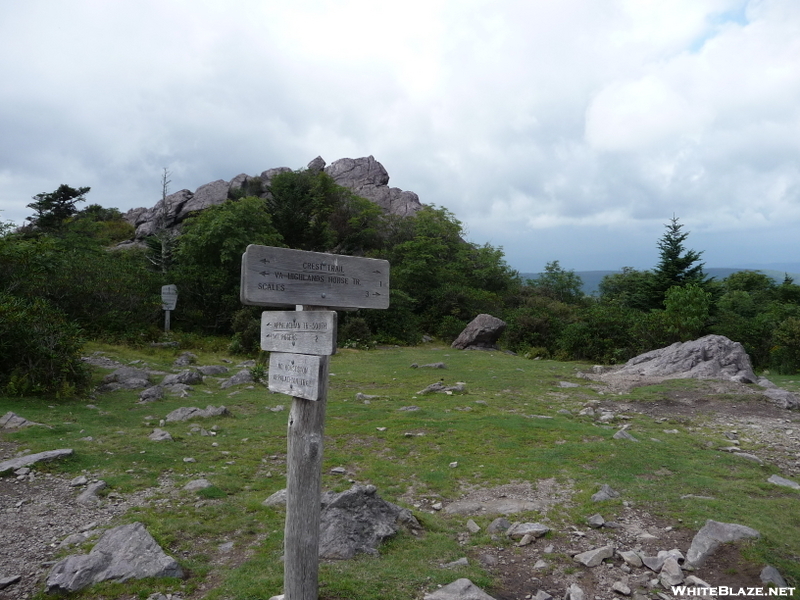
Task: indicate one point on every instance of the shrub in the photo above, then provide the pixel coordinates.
(39, 349)
(354, 329)
(785, 354)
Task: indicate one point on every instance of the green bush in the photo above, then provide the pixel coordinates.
(354, 329)
(785, 354)
(39, 350)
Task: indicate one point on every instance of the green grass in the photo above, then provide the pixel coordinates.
(493, 431)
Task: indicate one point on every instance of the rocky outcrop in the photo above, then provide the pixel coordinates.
(710, 357)
(31, 459)
(123, 553)
(365, 176)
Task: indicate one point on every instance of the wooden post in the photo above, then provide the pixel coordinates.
(303, 491)
(166, 321)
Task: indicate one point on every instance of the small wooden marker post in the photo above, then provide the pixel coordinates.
(301, 343)
(169, 299)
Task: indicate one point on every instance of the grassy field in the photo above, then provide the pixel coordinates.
(494, 432)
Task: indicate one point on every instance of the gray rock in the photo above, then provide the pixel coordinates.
(461, 562)
(196, 485)
(622, 434)
(441, 388)
(159, 435)
(31, 459)
(783, 398)
(438, 365)
(127, 378)
(185, 413)
(631, 558)
(771, 575)
(368, 179)
(472, 526)
(317, 165)
(460, 589)
(213, 370)
(621, 588)
(78, 481)
(710, 357)
(594, 557)
(574, 592)
(358, 520)
(605, 493)
(595, 521)
(714, 533)
(696, 581)
(11, 420)
(187, 377)
(276, 499)
(241, 377)
(7, 581)
(671, 573)
(205, 196)
(499, 525)
(542, 595)
(519, 530)
(185, 359)
(482, 333)
(654, 563)
(89, 495)
(568, 384)
(152, 394)
(121, 554)
(178, 389)
(778, 480)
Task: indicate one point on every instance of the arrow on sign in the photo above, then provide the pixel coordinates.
(264, 273)
(264, 260)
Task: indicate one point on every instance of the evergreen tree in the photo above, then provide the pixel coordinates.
(677, 265)
(54, 208)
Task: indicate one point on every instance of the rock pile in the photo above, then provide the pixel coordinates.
(365, 176)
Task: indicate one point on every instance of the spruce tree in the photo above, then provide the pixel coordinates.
(677, 265)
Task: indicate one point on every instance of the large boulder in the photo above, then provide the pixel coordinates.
(481, 334)
(13, 464)
(369, 179)
(710, 357)
(123, 553)
(712, 535)
(358, 520)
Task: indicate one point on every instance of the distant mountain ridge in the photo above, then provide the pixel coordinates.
(591, 279)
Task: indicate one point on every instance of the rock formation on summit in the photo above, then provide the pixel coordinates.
(365, 176)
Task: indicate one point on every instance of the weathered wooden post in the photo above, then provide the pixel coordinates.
(300, 344)
(169, 299)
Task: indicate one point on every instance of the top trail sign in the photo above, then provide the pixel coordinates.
(282, 277)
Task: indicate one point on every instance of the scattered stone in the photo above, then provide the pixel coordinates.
(574, 592)
(778, 480)
(567, 384)
(338, 470)
(783, 398)
(159, 435)
(151, 394)
(128, 378)
(714, 533)
(519, 530)
(695, 581)
(196, 485)
(473, 527)
(605, 493)
(213, 370)
(276, 499)
(358, 520)
(461, 562)
(654, 563)
(542, 595)
(770, 575)
(7, 581)
(11, 420)
(190, 412)
(438, 365)
(226, 547)
(621, 588)
(243, 376)
(454, 464)
(671, 573)
(187, 377)
(624, 435)
(78, 481)
(123, 553)
(539, 565)
(441, 388)
(461, 589)
(593, 558)
(89, 495)
(596, 521)
(482, 333)
(361, 397)
(499, 525)
(31, 459)
(751, 457)
(185, 359)
(408, 409)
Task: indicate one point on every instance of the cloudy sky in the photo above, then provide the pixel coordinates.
(568, 130)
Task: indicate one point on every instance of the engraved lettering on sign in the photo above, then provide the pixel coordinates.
(311, 332)
(294, 374)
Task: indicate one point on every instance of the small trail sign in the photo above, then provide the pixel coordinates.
(295, 374)
(169, 296)
(285, 277)
(299, 332)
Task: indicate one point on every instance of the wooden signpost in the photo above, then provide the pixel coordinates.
(301, 343)
(169, 299)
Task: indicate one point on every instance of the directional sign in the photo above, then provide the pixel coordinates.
(295, 374)
(285, 277)
(299, 332)
(169, 296)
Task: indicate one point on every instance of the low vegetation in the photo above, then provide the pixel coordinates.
(510, 426)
